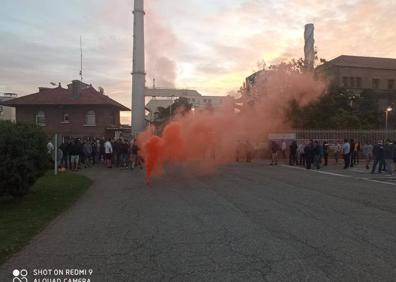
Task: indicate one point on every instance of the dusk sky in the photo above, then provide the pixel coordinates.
(206, 45)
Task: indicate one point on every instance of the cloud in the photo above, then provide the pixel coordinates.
(208, 45)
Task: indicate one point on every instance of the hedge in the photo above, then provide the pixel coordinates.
(23, 157)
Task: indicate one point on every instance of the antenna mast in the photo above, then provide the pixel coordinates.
(81, 60)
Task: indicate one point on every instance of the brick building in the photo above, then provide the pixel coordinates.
(358, 73)
(79, 111)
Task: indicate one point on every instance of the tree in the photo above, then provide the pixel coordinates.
(24, 157)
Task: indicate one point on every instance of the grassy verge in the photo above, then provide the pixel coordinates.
(21, 219)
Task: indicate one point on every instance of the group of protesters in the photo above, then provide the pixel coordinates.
(77, 153)
(314, 154)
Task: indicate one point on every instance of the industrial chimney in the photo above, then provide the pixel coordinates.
(309, 48)
(138, 75)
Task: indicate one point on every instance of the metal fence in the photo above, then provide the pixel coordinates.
(334, 136)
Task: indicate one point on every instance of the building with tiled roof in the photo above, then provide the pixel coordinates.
(79, 110)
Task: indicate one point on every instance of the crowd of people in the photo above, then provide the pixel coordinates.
(315, 154)
(76, 153)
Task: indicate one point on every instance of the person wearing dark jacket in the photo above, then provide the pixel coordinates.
(309, 154)
(353, 153)
(379, 157)
(293, 153)
(274, 153)
(388, 156)
(317, 152)
(326, 152)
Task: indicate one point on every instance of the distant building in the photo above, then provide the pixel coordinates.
(161, 97)
(7, 113)
(78, 111)
(358, 73)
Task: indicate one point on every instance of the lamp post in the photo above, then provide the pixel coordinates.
(170, 107)
(389, 109)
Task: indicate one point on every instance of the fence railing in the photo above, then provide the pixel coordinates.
(335, 135)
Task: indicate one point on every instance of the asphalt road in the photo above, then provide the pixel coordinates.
(248, 222)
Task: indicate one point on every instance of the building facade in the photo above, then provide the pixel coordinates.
(358, 73)
(164, 97)
(7, 113)
(77, 111)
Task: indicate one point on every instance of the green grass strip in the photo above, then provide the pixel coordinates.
(22, 219)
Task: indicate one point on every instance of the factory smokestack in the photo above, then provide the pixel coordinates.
(138, 75)
(309, 48)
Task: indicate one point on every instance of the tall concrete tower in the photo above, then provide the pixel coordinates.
(138, 75)
(309, 48)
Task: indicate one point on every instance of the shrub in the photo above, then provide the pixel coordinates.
(23, 157)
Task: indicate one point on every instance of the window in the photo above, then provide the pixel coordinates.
(375, 83)
(345, 81)
(40, 118)
(113, 118)
(391, 84)
(90, 118)
(352, 82)
(66, 118)
(358, 82)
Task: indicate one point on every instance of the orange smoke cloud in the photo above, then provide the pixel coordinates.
(203, 140)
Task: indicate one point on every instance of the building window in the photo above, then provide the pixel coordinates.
(352, 82)
(113, 118)
(345, 81)
(90, 118)
(358, 82)
(66, 118)
(375, 83)
(40, 118)
(391, 84)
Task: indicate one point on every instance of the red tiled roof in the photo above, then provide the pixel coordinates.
(62, 96)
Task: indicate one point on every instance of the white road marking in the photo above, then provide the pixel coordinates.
(341, 175)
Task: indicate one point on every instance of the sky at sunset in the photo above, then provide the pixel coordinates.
(206, 45)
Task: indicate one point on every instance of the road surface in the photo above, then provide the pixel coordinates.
(248, 222)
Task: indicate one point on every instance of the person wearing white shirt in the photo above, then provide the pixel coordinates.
(108, 152)
(346, 151)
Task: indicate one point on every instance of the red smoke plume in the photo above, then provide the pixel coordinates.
(203, 139)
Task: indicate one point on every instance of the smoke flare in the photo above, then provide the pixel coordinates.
(204, 139)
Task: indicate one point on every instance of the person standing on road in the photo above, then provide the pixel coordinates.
(346, 152)
(368, 154)
(284, 148)
(352, 152)
(309, 154)
(74, 155)
(378, 153)
(108, 152)
(337, 152)
(357, 152)
(300, 152)
(317, 152)
(326, 153)
(293, 153)
(274, 153)
(388, 156)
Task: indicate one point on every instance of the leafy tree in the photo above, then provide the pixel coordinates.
(24, 157)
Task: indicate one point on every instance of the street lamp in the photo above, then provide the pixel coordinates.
(389, 109)
(170, 107)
